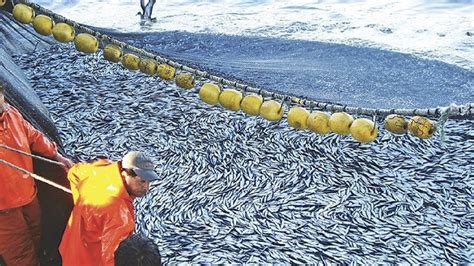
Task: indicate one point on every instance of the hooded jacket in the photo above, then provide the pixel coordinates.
(18, 189)
(102, 216)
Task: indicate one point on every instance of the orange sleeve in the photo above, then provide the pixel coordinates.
(76, 174)
(117, 227)
(38, 141)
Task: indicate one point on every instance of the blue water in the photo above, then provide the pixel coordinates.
(363, 77)
(431, 29)
(380, 54)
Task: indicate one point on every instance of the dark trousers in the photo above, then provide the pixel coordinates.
(20, 231)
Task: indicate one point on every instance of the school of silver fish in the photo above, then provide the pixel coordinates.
(239, 189)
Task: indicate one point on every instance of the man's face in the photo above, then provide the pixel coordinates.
(136, 186)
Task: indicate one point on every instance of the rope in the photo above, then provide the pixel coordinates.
(37, 177)
(462, 110)
(442, 121)
(31, 155)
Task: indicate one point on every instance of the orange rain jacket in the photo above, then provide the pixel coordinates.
(102, 217)
(18, 189)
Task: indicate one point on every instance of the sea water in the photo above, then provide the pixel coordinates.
(438, 29)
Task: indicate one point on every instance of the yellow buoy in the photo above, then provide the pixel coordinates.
(63, 32)
(148, 66)
(340, 123)
(2, 2)
(251, 104)
(364, 130)
(166, 71)
(421, 127)
(297, 117)
(396, 124)
(23, 13)
(185, 80)
(230, 99)
(272, 110)
(43, 25)
(86, 43)
(112, 53)
(209, 93)
(131, 61)
(319, 122)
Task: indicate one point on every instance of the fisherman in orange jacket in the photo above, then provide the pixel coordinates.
(20, 213)
(103, 215)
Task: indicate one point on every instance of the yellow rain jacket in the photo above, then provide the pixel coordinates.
(102, 217)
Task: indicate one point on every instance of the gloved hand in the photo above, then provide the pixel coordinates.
(65, 161)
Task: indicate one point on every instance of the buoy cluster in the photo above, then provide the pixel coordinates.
(87, 43)
(361, 129)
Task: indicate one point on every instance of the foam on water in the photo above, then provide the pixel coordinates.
(433, 29)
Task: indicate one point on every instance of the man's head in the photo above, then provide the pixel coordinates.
(138, 251)
(138, 171)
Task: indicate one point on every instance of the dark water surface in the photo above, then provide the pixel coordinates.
(363, 77)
